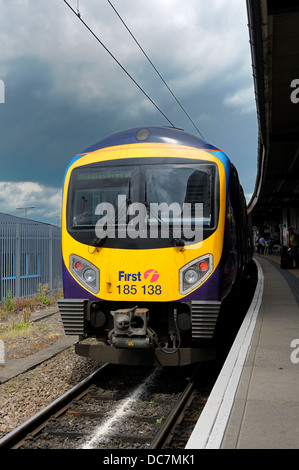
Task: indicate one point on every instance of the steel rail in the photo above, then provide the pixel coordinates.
(14, 437)
(173, 416)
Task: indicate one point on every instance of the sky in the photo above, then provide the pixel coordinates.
(61, 91)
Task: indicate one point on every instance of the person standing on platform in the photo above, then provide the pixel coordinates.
(262, 244)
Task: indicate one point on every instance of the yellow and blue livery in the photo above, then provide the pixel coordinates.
(154, 234)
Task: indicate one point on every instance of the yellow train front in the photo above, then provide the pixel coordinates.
(154, 235)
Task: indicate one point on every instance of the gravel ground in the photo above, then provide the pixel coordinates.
(28, 393)
(42, 333)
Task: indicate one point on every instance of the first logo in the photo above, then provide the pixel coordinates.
(153, 274)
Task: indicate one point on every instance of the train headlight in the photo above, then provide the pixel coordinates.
(85, 272)
(190, 276)
(195, 273)
(89, 275)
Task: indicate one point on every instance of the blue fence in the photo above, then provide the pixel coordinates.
(30, 254)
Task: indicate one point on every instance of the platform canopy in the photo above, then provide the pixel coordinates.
(274, 39)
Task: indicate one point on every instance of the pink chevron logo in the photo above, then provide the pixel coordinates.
(153, 273)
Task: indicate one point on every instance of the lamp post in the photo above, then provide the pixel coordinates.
(25, 209)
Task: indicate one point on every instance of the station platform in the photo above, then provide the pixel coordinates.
(255, 401)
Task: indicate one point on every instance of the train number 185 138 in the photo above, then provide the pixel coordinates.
(133, 289)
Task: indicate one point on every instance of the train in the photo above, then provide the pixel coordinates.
(155, 234)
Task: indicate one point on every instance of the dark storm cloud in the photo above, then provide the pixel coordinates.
(44, 129)
(41, 128)
(63, 91)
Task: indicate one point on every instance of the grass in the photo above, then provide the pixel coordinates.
(15, 330)
(12, 307)
(42, 298)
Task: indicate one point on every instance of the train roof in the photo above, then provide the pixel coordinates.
(169, 135)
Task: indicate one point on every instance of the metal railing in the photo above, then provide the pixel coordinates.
(30, 254)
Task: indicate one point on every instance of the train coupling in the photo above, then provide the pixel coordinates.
(130, 328)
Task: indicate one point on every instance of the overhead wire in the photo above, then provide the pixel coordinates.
(78, 14)
(145, 54)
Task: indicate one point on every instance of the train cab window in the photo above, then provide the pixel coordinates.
(194, 186)
(183, 185)
(93, 187)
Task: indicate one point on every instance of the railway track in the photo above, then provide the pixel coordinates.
(119, 408)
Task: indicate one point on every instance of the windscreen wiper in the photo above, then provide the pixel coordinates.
(176, 241)
(99, 241)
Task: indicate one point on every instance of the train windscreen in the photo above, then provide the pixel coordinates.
(144, 201)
